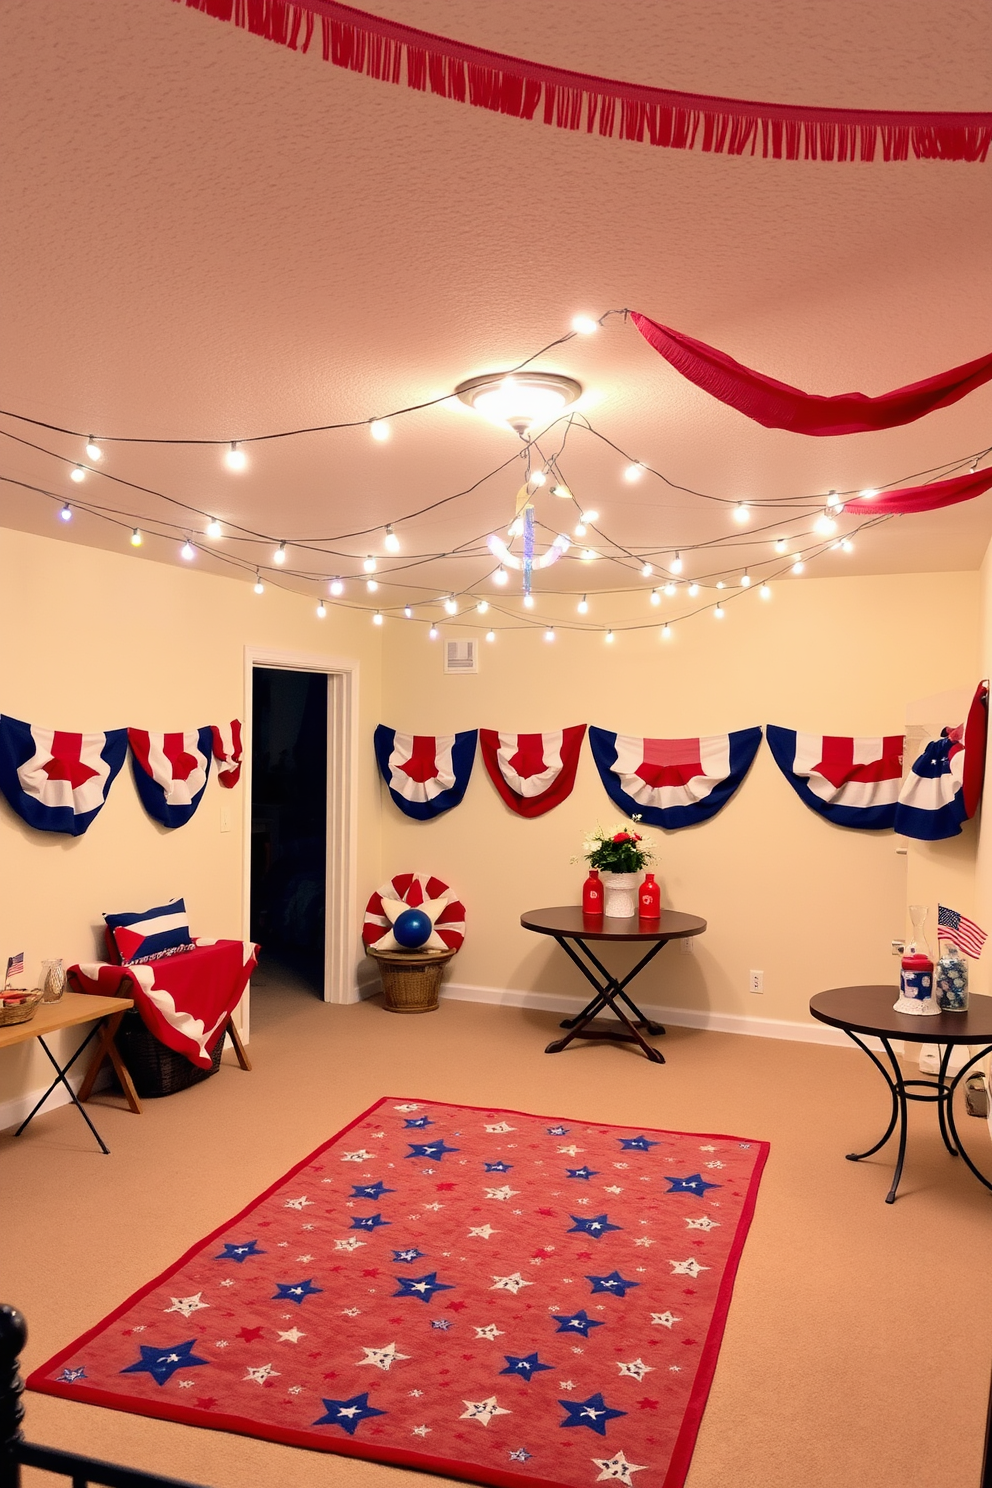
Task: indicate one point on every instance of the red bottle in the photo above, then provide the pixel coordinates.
(649, 899)
(592, 894)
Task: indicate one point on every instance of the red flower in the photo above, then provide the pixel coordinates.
(621, 837)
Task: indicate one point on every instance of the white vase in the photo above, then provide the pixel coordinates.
(620, 894)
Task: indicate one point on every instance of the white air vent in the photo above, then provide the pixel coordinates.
(461, 656)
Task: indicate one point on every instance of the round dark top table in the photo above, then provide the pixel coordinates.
(869, 1011)
(572, 929)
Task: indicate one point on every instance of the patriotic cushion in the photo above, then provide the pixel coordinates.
(532, 772)
(149, 934)
(58, 781)
(853, 782)
(673, 783)
(414, 891)
(944, 785)
(170, 772)
(426, 774)
(228, 752)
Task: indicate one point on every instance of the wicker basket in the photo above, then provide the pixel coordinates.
(154, 1067)
(20, 1012)
(411, 980)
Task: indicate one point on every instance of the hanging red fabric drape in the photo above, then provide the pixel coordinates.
(393, 53)
(922, 498)
(779, 406)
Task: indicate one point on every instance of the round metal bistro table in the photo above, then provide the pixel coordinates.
(869, 1011)
(573, 930)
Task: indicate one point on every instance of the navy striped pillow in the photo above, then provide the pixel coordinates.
(147, 935)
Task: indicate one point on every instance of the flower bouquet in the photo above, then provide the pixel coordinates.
(620, 857)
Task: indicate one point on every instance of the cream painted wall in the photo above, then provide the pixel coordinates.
(809, 904)
(97, 640)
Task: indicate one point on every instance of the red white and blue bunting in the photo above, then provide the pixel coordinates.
(170, 772)
(228, 752)
(533, 773)
(673, 783)
(58, 781)
(944, 785)
(415, 891)
(426, 773)
(853, 782)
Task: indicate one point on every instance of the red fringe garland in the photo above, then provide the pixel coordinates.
(381, 49)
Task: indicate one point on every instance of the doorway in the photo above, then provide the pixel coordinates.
(289, 770)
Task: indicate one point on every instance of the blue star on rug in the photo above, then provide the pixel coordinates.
(593, 1413)
(614, 1283)
(423, 1287)
(696, 1184)
(500, 1167)
(162, 1364)
(525, 1366)
(349, 1414)
(557, 1131)
(582, 1172)
(419, 1121)
(368, 1221)
(239, 1253)
(435, 1151)
(413, 1254)
(596, 1226)
(295, 1291)
(370, 1190)
(577, 1322)
(636, 1144)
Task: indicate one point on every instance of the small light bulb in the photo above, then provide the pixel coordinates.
(824, 525)
(549, 634)
(391, 542)
(655, 597)
(370, 564)
(647, 570)
(321, 609)
(77, 474)
(235, 458)
(583, 606)
(868, 495)
(451, 605)
(847, 546)
(259, 586)
(537, 478)
(529, 601)
(515, 528)
(279, 556)
(675, 566)
(379, 430)
(609, 637)
(580, 529)
(633, 472)
(408, 612)
(501, 576)
(490, 635)
(666, 632)
(371, 585)
(377, 618)
(671, 590)
(214, 529)
(187, 550)
(741, 513)
(585, 325)
(561, 491)
(590, 516)
(781, 545)
(798, 566)
(745, 580)
(833, 500)
(720, 584)
(136, 538)
(482, 606)
(589, 555)
(765, 592)
(93, 450)
(693, 590)
(432, 634)
(66, 513)
(336, 587)
(719, 612)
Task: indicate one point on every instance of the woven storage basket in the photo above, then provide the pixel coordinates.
(411, 980)
(153, 1066)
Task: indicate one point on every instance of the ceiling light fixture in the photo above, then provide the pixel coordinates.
(519, 399)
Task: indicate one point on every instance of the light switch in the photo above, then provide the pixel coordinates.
(225, 816)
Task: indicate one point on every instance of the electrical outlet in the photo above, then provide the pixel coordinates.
(687, 946)
(756, 981)
(898, 946)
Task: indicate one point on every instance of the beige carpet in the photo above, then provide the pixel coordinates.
(859, 1339)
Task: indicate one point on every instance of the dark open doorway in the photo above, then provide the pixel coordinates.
(289, 820)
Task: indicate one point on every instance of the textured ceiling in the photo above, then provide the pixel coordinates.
(208, 236)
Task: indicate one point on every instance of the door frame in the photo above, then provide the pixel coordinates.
(340, 904)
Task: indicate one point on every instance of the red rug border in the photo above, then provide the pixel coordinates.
(494, 1478)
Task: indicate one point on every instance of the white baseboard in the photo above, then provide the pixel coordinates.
(777, 1028)
(13, 1112)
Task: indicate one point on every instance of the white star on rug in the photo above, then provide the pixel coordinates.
(292, 1335)
(643, 1240)
(509, 1283)
(305, 1258)
(349, 1244)
(187, 1305)
(702, 1224)
(687, 1268)
(222, 1343)
(616, 1468)
(381, 1357)
(636, 1369)
(226, 1282)
(420, 1431)
(566, 1384)
(506, 1192)
(301, 1203)
(410, 1105)
(185, 1384)
(572, 1151)
(714, 1165)
(612, 1189)
(350, 1311)
(500, 1126)
(360, 1156)
(664, 1319)
(483, 1231)
(295, 1390)
(261, 1374)
(392, 909)
(434, 1206)
(483, 1411)
(708, 1148)
(490, 1331)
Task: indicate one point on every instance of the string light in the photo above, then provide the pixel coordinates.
(799, 566)
(834, 501)
(377, 618)
(646, 570)
(501, 576)
(719, 612)
(671, 589)
(666, 632)
(93, 450)
(871, 493)
(693, 590)
(549, 634)
(66, 513)
(259, 586)
(676, 564)
(235, 458)
(391, 542)
(214, 529)
(379, 430)
(321, 609)
(561, 491)
(187, 550)
(847, 545)
(655, 597)
(589, 556)
(537, 478)
(720, 584)
(781, 545)
(742, 513)
(528, 601)
(583, 606)
(825, 525)
(482, 606)
(590, 517)
(371, 585)
(408, 612)
(77, 474)
(370, 564)
(433, 633)
(279, 556)
(451, 605)
(335, 587)
(745, 580)
(580, 529)
(584, 325)
(633, 472)
(136, 538)
(490, 635)
(609, 637)
(765, 592)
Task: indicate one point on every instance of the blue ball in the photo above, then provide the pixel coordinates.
(412, 929)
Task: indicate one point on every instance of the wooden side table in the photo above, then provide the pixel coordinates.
(567, 925)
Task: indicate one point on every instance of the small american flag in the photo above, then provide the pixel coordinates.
(15, 967)
(965, 934)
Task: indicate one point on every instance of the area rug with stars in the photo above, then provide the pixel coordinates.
(528, 1301)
